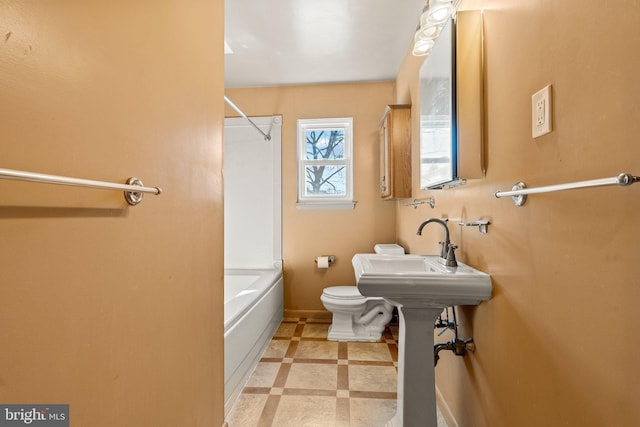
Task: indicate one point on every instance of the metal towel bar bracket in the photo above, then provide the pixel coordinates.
(520, 191)
(133, 190)
(482, 224)
(430, 201)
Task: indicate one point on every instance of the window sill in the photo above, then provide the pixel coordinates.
(319, 206)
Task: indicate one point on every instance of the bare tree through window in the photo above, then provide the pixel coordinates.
(325, 145)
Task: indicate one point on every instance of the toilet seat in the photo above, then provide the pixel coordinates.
(349, 293)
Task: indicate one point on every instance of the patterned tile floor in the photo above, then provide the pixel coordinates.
(303, 380)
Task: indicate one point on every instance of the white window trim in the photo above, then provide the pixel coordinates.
(325, 202)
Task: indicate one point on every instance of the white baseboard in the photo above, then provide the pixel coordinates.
(309, 314)
(445, 410)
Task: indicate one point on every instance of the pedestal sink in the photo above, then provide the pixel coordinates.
(421, 286)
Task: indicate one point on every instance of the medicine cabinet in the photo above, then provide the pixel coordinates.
(451, 105)
(395, 152)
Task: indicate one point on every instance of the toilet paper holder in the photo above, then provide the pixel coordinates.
(332, 259)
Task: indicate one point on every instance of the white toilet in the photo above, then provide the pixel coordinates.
(355, 317)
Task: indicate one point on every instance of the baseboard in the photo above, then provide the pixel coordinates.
(445, 410)
(309, 314)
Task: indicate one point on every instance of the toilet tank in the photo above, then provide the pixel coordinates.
(388, 248)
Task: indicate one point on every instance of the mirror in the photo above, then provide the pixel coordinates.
(438, 139)
(452, 147)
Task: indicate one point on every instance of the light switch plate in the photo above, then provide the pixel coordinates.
(541, 112)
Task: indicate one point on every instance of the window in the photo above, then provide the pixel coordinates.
(325, 164)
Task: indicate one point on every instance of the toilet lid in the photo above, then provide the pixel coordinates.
(343, 292)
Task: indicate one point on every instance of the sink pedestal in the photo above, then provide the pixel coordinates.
(416, 373)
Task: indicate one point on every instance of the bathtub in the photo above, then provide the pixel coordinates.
(253, 305)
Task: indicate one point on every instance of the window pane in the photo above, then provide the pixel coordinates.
(327, 144)
(326, 180)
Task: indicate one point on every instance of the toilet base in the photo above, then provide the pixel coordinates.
(342, 336)
(356, 333)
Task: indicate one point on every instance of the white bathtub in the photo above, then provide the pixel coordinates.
(253, 304)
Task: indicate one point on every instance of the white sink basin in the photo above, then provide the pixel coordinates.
(419, 280)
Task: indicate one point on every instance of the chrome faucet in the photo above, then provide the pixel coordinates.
(447, 249)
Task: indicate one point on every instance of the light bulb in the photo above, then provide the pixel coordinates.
(422, 46)
(429, 30)
(439, 11)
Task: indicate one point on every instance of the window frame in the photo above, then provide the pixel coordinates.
(306, 201)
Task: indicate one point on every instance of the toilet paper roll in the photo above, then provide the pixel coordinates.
(323, 261)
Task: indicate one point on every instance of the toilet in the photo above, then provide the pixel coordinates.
(356, 317)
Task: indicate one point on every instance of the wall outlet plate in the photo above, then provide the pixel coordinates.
(541, 112)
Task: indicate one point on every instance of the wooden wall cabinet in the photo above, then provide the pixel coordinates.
(395, 152)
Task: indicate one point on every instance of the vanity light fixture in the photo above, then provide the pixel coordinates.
(434, 15)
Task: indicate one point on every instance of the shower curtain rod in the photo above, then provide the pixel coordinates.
(267, 137)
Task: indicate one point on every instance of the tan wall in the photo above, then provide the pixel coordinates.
(558, 343)
(307, 234)
(112, 309)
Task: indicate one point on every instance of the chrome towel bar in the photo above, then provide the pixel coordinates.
(520, 191)
(133, 189)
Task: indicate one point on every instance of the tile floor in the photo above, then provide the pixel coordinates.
(303, 380)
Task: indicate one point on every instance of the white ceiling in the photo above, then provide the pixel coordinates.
(290, 42)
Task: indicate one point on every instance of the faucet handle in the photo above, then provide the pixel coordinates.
(443, 249)
(451, 256)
